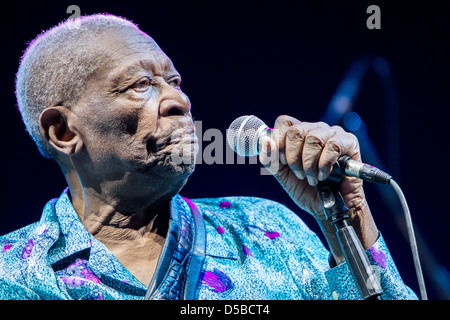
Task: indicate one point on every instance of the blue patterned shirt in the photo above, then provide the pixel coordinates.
(218, 248)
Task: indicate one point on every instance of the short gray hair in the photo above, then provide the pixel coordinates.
(55, 67)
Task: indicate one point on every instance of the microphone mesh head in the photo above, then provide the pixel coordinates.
(243, 135)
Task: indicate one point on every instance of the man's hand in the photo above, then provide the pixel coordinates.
(300, 154)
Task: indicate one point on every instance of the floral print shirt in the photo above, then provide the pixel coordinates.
(216, 248)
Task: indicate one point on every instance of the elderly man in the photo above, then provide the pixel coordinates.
(100, 98)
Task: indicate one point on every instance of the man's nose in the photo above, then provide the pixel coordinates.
(174, 103)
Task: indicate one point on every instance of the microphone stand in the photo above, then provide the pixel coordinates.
(368, 284)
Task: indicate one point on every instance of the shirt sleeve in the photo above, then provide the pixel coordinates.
(343, 286)
(339, 283)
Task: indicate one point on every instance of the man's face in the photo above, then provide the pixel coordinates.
(133, 117)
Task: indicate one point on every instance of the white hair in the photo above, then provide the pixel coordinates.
(55, 67)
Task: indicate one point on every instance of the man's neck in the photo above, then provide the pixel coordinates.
(135, 235)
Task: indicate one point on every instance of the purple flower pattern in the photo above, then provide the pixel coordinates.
(80, 273)
(269, 234)
(378, 256)
(225, 204)
(217, 280)
(272, 235)
(247, 251)
(26, 252)
(220, 230)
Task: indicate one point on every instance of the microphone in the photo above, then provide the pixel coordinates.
(244, 137)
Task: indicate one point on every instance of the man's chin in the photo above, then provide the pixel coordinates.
(173, 167)
(177, 175)
(167, 169)
(182, 169)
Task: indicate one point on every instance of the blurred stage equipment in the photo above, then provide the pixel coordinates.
(340, 111)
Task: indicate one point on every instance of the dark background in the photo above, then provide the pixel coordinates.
(270, 58)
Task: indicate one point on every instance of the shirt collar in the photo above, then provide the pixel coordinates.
(74, 238)
(73, 235)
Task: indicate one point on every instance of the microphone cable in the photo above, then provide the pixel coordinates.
(412, 238)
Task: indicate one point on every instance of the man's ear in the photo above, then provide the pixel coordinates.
(56, 126)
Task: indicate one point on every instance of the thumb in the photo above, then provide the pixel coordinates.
(269, 155)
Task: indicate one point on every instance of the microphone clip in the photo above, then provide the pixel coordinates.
(332, 202)
(368, 285)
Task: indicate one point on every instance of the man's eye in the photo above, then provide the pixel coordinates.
(141, 85)
(176, 83)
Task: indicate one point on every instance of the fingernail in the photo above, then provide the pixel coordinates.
(269, 148)
(282, 158)
(321, 176)
(299, 174)
(311, 180)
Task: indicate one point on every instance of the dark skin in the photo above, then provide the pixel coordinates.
(114, 149)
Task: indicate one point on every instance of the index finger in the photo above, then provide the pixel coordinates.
(282, 125)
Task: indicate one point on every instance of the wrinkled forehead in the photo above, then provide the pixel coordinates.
(124, 49)
(125, 41)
